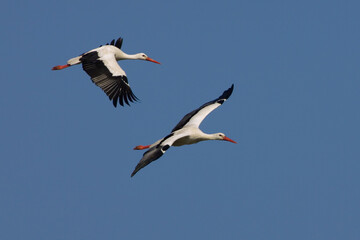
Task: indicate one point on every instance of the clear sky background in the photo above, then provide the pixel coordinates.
(66, 152)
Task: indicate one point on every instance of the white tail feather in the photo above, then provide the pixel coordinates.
(73, 61)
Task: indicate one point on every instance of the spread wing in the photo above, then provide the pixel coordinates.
(195, 117)
(156, 151)
(117, 44)
(106, 73)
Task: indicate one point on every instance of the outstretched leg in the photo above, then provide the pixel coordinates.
(59, 67)
(141, 147)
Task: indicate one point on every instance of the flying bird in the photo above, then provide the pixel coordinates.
(185, 132)
(101, 65)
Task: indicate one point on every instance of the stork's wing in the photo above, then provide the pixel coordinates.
(149, 156)
(117, 44)
(157, 151)
(195, 117)
(106, 73)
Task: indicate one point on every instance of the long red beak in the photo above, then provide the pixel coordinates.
(152, 60)
(229, 140)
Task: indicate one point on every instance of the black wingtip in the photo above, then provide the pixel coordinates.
(119, 42)
(114, 102)
(226, 94)
(124, 99)
(137, 168)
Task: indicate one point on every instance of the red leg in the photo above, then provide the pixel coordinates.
(141, 147)
(59, 67)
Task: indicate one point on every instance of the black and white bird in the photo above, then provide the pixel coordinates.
(185, 132)
(101, 65)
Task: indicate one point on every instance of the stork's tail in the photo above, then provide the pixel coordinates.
(70, 62)
(74, 61)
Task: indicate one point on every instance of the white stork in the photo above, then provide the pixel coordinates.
(185, 132)
(101, 65)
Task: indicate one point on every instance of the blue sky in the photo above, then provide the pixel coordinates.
(66, 152)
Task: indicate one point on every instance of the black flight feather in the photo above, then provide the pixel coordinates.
(226, 94)
(115, 87)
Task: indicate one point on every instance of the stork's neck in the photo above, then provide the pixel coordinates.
(124, 56)
(193, 135)
(201, 136)
(213, 136)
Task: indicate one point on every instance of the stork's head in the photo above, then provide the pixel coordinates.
(143, 56)
(221, 136)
